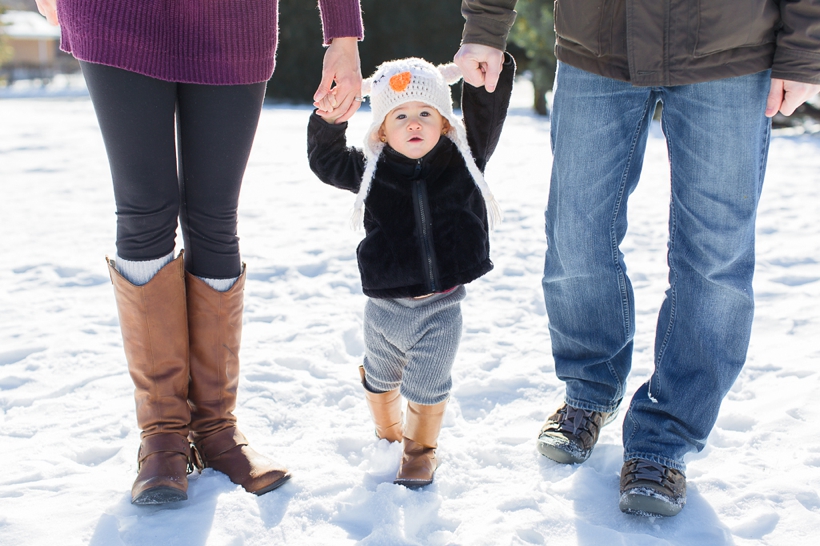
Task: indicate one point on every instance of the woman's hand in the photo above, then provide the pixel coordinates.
(342, 67)
(48, 8)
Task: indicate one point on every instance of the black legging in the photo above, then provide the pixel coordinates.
(154, 182)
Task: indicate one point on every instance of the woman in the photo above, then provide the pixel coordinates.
(177, 87)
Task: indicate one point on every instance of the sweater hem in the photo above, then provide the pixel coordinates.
(168, 68)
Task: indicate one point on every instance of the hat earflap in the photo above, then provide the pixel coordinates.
(452, 74)
(367, 86)
(458, 134)
(372, 152)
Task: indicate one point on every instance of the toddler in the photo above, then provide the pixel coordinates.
(426, 211)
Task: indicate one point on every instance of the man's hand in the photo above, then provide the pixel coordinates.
(48, 8)
(786, 96)
(341, 66)
(480, 64)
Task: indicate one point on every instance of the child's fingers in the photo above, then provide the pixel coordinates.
(328, 102)
(344, 116)
(323, 105)
(333, 109)
(330, 117)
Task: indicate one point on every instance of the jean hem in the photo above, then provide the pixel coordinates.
(670, 463)
(580, 404)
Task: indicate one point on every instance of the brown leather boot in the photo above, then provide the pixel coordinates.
(154, 328)
(215, 332)
(418, 463)
(385, 409)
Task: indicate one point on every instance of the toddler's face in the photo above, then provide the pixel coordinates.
(413, 129)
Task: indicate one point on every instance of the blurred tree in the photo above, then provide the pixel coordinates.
(27, 5)
(534, 33)
(422, 28)
(804, 112)
(299, 53)
(5, 48)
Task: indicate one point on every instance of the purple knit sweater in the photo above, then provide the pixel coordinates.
(215, 42)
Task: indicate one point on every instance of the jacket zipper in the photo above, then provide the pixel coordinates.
(426, 236)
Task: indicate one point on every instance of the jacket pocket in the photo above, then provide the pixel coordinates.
(587, 23)
(723, 26)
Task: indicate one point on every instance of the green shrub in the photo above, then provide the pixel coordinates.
(534, 34)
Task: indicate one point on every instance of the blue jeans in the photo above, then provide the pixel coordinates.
(718, 137)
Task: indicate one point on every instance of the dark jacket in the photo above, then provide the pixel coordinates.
(425, 220)
(672, 42)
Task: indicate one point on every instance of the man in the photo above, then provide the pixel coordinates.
(721, 71)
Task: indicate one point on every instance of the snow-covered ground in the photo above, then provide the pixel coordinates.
(68, 436)
(60, 86)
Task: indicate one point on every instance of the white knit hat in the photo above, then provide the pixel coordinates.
(407, 80)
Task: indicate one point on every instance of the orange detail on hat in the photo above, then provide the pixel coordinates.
(399, 82)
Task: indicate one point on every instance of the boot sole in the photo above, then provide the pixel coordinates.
(275, 485)
(559, 455)
(159, 495)
(413, 484)
(648, 506)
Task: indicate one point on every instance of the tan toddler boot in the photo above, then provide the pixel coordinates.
(418, 463)
(385, 409)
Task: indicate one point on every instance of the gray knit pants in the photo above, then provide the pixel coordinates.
(412, 344)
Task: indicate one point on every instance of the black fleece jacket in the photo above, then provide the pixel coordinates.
(425, 220)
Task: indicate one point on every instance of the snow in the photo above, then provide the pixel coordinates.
(67, 425)
(59, 86)
(27, 25)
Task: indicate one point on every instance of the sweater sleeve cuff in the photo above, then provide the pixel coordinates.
(341, 19)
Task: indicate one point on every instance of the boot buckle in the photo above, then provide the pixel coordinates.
(197, 461)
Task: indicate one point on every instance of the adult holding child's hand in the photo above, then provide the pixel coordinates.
(480, 64)
(178, 88)
(341, 66)
(484, 40)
